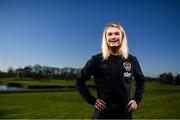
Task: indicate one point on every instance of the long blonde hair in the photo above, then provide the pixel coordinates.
(123, 49)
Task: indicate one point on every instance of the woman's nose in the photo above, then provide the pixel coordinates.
(113, 36)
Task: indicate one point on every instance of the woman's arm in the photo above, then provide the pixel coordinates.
(85, 75)
(140, 81)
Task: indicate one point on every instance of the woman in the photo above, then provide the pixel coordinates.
(112, 70)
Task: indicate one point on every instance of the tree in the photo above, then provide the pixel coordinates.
(11, 72)
(19, 72)
(28, 71)
(166, 78)
(37, 70)
(177, 79)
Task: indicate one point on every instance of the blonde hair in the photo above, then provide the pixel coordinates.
(123, 49)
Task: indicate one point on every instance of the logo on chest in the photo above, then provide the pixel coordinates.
(127, 66)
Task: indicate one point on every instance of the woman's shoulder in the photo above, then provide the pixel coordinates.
(97, 56)
(94, 60)
(132, 57)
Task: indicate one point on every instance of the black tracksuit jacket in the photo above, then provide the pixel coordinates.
(113, 82)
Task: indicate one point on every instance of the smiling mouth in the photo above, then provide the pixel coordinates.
(116, 40)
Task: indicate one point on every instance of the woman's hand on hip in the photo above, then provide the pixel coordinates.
(100, 105)
(132, 106)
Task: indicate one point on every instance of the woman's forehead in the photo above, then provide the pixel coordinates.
(113, 29)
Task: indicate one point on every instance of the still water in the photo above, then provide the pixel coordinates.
(5, 87)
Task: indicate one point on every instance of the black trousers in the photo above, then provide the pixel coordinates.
(112, 114)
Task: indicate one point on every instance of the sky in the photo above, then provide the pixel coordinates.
(66, 33)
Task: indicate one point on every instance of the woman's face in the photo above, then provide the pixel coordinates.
(113, 37)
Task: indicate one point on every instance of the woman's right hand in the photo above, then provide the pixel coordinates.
(100, 105)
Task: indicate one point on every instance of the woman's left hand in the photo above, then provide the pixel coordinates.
(132, 106)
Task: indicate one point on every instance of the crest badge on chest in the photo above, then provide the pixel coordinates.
(127, 66)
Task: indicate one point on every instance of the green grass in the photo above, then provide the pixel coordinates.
(44, 105)
(41, 82)
(160, 101)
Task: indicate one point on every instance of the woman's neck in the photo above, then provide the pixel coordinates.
(114, 50)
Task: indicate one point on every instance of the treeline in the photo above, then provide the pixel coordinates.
(45, 72)
(41, 72)
(167, 78)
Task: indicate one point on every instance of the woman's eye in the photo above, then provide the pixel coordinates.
(109, 34)
(116, 33)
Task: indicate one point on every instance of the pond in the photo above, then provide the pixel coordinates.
(6, 88)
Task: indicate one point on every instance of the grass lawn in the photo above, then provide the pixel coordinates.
(44, 105)
(41, 82)
(160, 101)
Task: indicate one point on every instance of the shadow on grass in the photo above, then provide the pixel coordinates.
(4, 113)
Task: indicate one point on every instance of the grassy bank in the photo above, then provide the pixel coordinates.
(40, 82)
(29, 84)
(160, 101)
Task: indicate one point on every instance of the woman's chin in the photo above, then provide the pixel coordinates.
(114, 46)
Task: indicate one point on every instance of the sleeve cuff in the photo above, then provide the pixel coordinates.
(136, 100)
(93, 101)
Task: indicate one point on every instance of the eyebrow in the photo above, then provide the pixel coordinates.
(113, 32)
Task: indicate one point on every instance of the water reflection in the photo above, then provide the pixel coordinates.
(5, 87)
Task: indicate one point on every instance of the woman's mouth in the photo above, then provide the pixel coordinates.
(115, 40)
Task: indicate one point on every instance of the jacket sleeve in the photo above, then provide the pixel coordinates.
(85, 74)
(140, 81)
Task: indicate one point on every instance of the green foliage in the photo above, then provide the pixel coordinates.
(177, 79)
(166, 78)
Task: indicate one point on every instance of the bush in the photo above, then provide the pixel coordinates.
(15, 84)
(177, 79)
(166, 78)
